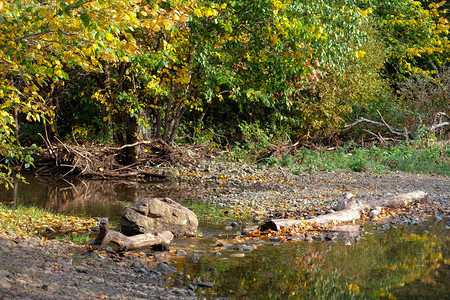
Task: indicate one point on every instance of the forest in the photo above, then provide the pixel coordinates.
(221, 73)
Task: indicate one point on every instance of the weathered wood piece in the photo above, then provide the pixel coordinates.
(105, 235)
(350, 213)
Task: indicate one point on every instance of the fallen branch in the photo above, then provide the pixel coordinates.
(125, 243)
(351, 212)
(393, 130)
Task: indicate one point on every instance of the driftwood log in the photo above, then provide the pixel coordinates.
(105, 235)
(351, 211)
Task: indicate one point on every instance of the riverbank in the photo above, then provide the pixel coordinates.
(37, 268)
(260, 192)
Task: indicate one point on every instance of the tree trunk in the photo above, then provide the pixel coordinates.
(125, 243)
(350, 213)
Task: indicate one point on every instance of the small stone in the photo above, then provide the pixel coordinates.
(194, 258)
(318, 237)
(4, 284)
(207, 284)
(109, 250)
(224, 245)
(178, 282)
(234, 224)
(237, 255)
(243, 248)
(164, 269)
(180, 252)
(4, 273)
(81, 269)
(331, 236)
(96, 279)
(191, 287)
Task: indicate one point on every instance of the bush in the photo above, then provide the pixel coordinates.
(423, 96)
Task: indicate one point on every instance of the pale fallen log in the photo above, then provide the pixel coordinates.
(351, 212)
(125, 243)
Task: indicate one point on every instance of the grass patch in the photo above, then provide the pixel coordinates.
(212, 213)
(417, 157)
(35, 221)
(408, 157)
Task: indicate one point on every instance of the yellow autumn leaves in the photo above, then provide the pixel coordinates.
(35, 221)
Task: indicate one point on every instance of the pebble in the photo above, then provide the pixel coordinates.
(206, 284)
(239, 255)
(178, 282)
(194, 257)
(180, 252)
(243, 248)
(164, 269)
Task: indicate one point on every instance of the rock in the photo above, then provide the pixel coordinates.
(178, 282)
(331, 236)
(237, 255)
(158, 215)
(243, 248)
(319, 237)
(208, 285)
(96, 279)
(194, 258)
(180, 252)
(234, 224)
(5, 284)
(164, 269)
(224, 245)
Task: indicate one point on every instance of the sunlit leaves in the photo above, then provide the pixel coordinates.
(35, 221)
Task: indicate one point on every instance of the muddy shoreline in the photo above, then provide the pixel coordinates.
(35, 268)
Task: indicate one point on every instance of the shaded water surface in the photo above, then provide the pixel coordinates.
(400, 263)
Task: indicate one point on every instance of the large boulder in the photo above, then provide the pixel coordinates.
(158, 215)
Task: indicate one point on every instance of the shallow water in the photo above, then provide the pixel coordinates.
(403, 263)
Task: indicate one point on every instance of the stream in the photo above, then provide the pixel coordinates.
(403, 262)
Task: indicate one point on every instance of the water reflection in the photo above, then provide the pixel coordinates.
(91, 198)
(402, 263)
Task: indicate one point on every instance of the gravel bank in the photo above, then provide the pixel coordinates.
(268, 192)
(35, 268)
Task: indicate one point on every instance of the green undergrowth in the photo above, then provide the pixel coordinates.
(416, 157)
(212, 213)
(406, 158)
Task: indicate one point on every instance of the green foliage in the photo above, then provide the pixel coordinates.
(416, 35)
(255, 72)
(255, 137)
(418, 157)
